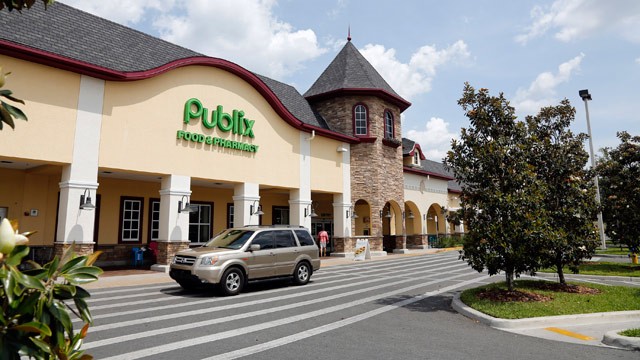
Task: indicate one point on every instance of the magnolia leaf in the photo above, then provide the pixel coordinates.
(26, 280)
(91, 258)
(81, 278)
(52, 266)
(42, 345)
(83, 308)
(17, 113)
(35, 327)
(91, 270)
(64, 292)
(19, 252)
(59, 311)
(74, 262)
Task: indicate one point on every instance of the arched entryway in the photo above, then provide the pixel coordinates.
(392, 227)
(436, 224)
(362, 218)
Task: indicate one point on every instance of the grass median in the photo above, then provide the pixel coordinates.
(604, 269)
(536, 298)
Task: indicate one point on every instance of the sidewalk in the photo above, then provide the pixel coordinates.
(598, 329)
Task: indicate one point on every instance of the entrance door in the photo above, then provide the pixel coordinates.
(317, 225)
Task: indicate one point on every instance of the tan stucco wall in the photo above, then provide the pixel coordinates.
(141, 120)
(51, 98)
(433, 191)
(326, 165)
(23, 192)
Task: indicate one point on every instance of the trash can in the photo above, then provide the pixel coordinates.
(634, 259)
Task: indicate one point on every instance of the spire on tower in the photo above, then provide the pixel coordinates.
(349, 34)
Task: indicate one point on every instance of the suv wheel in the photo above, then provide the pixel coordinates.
(301, 274)
(232, 282)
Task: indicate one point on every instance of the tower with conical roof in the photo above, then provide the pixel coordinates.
(354, 99)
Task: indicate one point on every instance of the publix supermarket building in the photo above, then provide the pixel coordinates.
(133, 141)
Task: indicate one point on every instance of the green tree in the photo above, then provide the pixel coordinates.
(21, 4)
(619, 173)
(500, 190)
(569, 199)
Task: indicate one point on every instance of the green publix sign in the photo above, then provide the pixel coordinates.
(225, 122)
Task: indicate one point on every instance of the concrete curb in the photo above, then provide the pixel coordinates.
(614, 339)
(547, 321)
(610, 338)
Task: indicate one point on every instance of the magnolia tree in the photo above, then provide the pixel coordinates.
(500, 190)
(619, 173)
(560, 160)
(38, 301)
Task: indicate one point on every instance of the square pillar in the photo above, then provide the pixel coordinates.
(246, 196)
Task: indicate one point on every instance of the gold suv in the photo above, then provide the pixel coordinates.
(238, 255)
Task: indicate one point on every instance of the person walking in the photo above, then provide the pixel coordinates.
(323, 238)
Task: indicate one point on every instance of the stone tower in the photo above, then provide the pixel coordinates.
(354, 99)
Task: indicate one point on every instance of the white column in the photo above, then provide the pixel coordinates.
(297, 205)
(245, 196)
(174, 225)
(81, 176)
(342, 202)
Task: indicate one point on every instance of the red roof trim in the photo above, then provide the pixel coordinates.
(80, 67)
(426, 173)
(394, 99)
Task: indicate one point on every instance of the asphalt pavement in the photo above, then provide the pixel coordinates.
(599, 329)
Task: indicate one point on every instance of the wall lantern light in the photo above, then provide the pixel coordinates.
(255, 209)
(187, 208)
(352, 213)
(85, 201)
(309, 211)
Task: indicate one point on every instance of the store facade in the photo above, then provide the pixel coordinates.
(149, 144)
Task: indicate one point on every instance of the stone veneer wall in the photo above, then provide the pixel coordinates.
(376, 168)
(167, 250)
(79, 249)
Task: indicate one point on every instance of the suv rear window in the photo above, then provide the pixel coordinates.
(304, 238)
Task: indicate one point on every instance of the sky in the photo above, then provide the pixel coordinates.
(536, 52)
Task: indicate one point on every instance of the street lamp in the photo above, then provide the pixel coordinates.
(584, 94)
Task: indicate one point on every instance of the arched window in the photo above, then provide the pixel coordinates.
(360, 126)
(388, 125)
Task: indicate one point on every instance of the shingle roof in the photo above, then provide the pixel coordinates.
(407, 146)
(349, 70)
(438, 168)
(70, 33)
(75, 34)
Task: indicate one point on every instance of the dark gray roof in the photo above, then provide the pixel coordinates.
(74, 34)
(349, 70)
(294, 102)
(407, 146)
(438, 168)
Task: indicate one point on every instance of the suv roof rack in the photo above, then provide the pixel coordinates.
(277, 226)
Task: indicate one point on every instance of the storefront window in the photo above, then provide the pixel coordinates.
(200, 227)
(131, 219)
(154, 219)
(230, 209)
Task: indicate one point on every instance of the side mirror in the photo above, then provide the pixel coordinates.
(254, 247)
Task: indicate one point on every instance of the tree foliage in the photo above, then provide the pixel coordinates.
(21, 4)
(36, 302)
(619, 173)
(526, 198)
(560, 159)
(500, 189)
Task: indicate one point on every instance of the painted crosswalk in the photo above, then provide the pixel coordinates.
(160, 321)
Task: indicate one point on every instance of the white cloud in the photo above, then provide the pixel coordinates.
(125, 12)
(413, 78)
(243, 31)
(572, 19)
(542, 90)
(435, 139)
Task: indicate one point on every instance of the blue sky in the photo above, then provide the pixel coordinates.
(535, 52)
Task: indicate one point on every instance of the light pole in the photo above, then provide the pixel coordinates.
(584, 94)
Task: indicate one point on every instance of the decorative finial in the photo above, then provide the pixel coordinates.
(349, 34)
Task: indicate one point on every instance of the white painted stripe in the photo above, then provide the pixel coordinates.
(134, 288)
(201, 311)
(333, 326)
(342, 278)
(270, 324)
